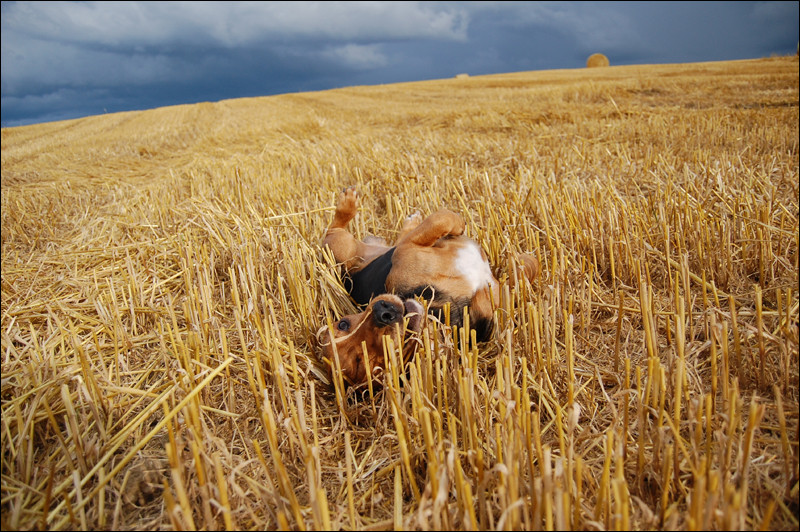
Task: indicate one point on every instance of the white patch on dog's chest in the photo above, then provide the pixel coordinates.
(473, 267)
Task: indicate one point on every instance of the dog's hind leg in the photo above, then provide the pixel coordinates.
(409, 224)
(441, 223)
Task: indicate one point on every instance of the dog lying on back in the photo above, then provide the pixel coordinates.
(431, 258)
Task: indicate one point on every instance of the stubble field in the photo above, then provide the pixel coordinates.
(162, 281)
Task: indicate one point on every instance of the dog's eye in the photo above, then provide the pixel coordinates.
(343, 325)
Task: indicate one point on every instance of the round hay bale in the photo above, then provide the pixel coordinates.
(597, 60)
(462, 76)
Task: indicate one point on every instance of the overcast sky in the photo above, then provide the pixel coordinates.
(65, 60)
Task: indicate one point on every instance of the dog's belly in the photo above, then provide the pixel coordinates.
(450, 271)
(473, 267)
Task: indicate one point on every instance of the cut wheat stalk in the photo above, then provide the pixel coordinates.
(163, 280)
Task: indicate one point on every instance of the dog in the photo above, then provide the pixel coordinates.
(433, 260)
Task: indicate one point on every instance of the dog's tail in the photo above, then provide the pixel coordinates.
(528, 265)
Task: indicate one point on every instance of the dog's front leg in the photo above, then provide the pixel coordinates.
(346, 249)
(344, 246)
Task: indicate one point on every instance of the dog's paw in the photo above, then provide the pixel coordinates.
(348, 202)
(409, 224)
(414, 219)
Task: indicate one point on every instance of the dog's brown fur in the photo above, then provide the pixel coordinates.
(432, 258)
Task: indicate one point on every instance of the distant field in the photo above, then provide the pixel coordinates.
(162, 280)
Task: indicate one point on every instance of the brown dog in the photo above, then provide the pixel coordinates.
(433, 259)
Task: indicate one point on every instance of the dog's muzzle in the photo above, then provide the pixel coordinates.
(385, 313)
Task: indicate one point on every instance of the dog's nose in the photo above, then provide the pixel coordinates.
(384, 313)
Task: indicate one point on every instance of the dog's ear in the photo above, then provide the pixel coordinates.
(350, 365)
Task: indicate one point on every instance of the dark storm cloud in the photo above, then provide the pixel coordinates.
(70, 59)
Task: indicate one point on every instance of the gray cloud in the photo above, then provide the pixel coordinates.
(71, 59)
(230, 24)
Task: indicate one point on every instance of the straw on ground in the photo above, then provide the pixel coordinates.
(162, 280)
